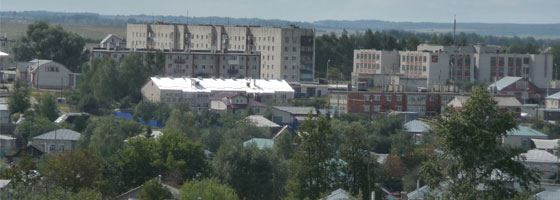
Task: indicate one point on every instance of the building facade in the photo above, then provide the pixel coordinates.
(433, 66)
(47, 74)
(286, 52)
(196, 92)
(196, 63)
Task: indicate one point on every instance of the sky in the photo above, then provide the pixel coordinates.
(484, 11)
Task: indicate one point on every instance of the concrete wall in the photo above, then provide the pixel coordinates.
(59, 145)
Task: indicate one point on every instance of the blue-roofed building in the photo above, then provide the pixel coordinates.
(261, 143)
(521, 137)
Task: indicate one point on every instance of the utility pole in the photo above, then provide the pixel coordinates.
(327, 76)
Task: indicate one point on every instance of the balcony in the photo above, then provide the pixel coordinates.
(180, 61)
(232, 71)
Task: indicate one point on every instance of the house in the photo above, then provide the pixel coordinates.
(57, 141)
(521, 137)
(262, 122)
(261, 143)
(504, 103)
(544, 161)
(135, 192)
(547, 145)
(235, 103)
(69, 117)
(339, 194)
(112, 42)
(196, 92)
(291, 114)
(7, 145)
(29, 149)
(4, 185)
(47, 74)
(521, 88)
(552, 101)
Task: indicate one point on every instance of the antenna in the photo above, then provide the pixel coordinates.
(454, 28)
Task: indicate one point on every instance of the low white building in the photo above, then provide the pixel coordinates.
(112, 42)
(57, 141)
(196, 92)
(521, 137)
(47, 74)
(544, 161)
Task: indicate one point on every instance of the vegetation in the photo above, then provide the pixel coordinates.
(44, 41)
(153, 190)
(18, 101)
(478, 127)
(207, 189)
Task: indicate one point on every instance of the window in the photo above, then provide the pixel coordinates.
(399, 98)
(366, 108)
(377, 97)
(377, 108)
(366, 97)
(432, 99)
(293, 58)
(398, 108)
(389, 98)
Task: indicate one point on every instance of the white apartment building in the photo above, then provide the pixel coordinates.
(286, 52)
(196, 92)
(371, 66)
(196, 63)
(434, 65)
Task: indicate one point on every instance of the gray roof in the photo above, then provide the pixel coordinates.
(297, 110)
(504, 82)
(38, 62)
(60, 134)
(339, 194)
(108, 37)
(540, 156)
(4, 182)
(416, 126)
(548, 195)
(554, 96)
(261, 121)
(525, 131)
(459, 101)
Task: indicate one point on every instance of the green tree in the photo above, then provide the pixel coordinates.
(284, 147)
(135, 163)
(35, 125)
(179, 159)
(18, 100)
(184, 123)
(470, 152)
(248, 111)
(43, 41)
(312, 170)
(73, 171)
(153, 190)
(252, 172)
(360, 168)
(207, 189)
(47, 107)
(145, 110)
(105, 135)
(105, 82)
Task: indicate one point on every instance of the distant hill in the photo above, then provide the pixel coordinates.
(323, 26)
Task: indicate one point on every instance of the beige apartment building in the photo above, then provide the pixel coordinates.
(196, 63)
(286, 52)
(433, 66)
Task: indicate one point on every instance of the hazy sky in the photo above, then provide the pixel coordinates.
(499, 11)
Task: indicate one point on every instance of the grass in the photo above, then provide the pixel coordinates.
(15, 29)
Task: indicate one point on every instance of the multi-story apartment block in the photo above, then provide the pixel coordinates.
(196, 63)
(433, 65)
(370, 66)
(286, 53)
(197, 92)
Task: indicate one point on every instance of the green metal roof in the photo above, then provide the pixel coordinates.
(525, 131)
(260, 142)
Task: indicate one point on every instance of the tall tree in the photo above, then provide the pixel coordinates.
(153, 190)
(73, 171)
(18, 101)
(44, 41)
(313, 169)
(47, 107)
(207, 189)
(470, 152)
(252, 172)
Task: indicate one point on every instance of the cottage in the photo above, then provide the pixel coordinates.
(521, 137)
(57, 141)
(544, 161)
(235, 103)
(291, 114)
(47, 74)
(504, 103)
(7, 145)
(112, 42)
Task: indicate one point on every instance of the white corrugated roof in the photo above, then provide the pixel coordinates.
(3, 54)
(211, 85)
(416, 126)
(459, 101)
(546, 144)
(261, 121)
(537, 155)
(554, 96)
(504, 82)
